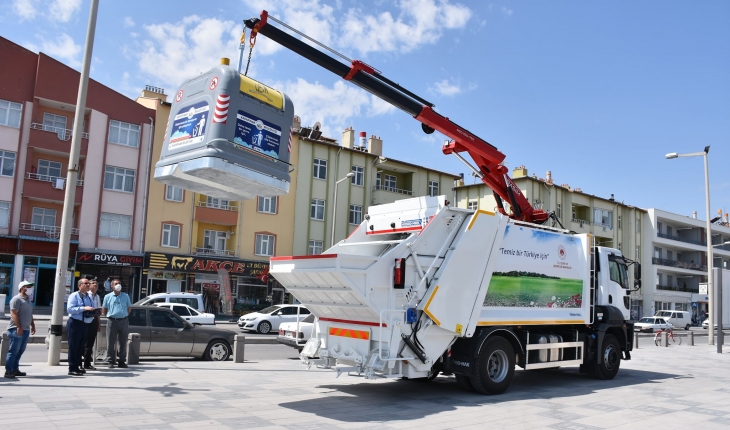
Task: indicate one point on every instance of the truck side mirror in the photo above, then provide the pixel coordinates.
(637, 271)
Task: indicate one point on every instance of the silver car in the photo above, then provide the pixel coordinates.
(164, 333)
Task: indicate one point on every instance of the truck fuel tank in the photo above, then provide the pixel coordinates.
(228, 136)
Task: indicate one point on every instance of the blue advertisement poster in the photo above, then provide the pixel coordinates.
(257, 134)
(188, 126)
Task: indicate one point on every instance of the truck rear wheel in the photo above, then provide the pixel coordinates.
(495, 366)
(610, 353)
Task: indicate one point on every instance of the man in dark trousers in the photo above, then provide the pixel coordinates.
(80, 311)
(93, 328)
(116, 308)
(20, 328)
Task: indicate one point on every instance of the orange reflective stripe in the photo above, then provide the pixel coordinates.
(344, 332)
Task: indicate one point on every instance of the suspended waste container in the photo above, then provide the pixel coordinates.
(228, 136)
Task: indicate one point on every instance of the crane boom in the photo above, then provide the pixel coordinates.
(488, 158)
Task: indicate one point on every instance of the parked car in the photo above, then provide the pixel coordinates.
(164, 333)
(189, 314)
(193, 300)
(676, 318)
(267, 320)
(706, 325)
(296, 335)
(652, 324)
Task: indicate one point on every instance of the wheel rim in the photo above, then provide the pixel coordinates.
(264, 327)
(218, 352)
(610, 357)
(497, 366)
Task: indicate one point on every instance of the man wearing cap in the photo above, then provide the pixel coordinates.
(80, 311)
(116, 308)
(20, 328)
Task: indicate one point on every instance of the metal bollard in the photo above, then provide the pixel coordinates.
(239, 342)
(133, 344)
(4, 348)
(636, 341)
(690, 338)
(664, 339)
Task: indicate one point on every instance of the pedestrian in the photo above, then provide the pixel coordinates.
(116, 307)
(93, 328)
(21, 326)
(80, 311)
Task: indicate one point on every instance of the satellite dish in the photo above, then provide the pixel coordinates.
(296, 118)
(317, 126)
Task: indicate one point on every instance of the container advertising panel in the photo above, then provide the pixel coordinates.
(539, 277)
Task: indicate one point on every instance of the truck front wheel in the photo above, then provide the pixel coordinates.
(495, 366)
(610, 353)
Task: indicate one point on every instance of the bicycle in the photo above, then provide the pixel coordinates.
(673, 340)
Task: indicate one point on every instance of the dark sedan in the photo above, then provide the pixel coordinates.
(164, 333)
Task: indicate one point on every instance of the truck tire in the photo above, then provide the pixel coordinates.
(464, 383)
(495, 366)
(610, 353)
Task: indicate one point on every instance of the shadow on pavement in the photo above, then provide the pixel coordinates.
(169, 390)
(415, 399)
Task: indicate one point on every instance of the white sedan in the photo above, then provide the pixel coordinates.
(294, 334)
(267, 320)
(652, 324)
(189, 314)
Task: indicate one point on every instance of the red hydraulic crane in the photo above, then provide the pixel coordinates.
(487, 158)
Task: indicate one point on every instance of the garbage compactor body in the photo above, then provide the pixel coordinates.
(228, 136)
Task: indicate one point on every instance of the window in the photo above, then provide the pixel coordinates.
(378, 177)
(214, 202)
(317, 211)
(115, 226)
(617, 272)
(355, 214)
(638, 225)
(390, 182)
(54, 123)
(472, 205)
(174, 194)
(214, 240)
(165, 319)
(190, 301)
(559, 211)
(433, 188)
(7, 159)
(320, 168)
(44, 217)
(619, 222)
(48, 170)
(138, 317)
(171, 235)
(10, 113)
(4, 214)
(265, 244)
(603, 217)
(119, 179)
(669, 230)
(267, 205)
(181, 310)
(681, 307)
(359, 178)
(124, 134)
(315, 247)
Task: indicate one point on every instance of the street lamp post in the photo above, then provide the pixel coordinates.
(334, 207)
(710, 284)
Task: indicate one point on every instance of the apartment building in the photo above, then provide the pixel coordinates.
(37, 106)
(676, 266)
(612, 223)
(321, 163)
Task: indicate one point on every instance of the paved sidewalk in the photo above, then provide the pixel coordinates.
(679, 387)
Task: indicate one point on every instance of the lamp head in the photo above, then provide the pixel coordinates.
(350, 175)
(672, 155)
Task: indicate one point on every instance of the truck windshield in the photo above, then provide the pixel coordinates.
(617, 269)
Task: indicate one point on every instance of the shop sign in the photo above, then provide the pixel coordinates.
(108, 259)
(158, 274)
(191, 263)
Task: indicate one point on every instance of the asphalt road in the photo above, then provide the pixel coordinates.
(38, 353)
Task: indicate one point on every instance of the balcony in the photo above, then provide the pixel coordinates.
(677, 288)
(55, 138)
(51, 179)
(210, 251)
(681, 239)
(581, 222)
(678, 264)
(49, 231)
(217, 214)
(393, 190)
(43, 187)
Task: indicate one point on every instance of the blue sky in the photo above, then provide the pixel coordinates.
(596, 92)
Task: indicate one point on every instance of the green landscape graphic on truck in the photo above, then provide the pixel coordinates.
(553, 281)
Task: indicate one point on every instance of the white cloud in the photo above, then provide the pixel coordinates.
(62, 10)
(63, 48)
(25, 9)
(507, 12)
(127, 21)
(446, 88)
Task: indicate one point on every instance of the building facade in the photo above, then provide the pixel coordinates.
(37, 106)
(676, 261)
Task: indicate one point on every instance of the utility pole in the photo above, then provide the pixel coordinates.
(64, 240)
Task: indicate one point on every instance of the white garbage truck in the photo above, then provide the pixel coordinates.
(423, 288)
